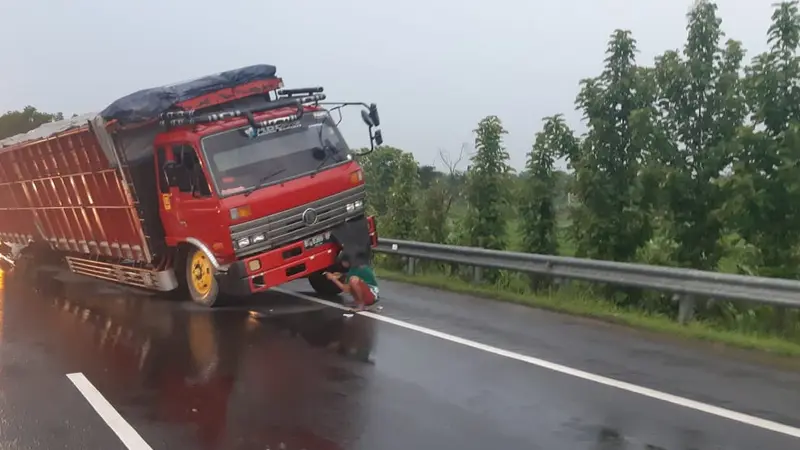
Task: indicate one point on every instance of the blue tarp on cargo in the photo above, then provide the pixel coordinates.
(148, 104)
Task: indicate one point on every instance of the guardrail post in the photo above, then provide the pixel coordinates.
(477, 274)
(410, 263)
(686, 306)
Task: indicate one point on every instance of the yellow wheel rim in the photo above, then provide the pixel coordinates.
(202, 276)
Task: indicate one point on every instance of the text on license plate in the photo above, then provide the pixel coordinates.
(316, 241)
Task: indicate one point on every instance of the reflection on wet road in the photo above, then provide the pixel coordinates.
(281, 372)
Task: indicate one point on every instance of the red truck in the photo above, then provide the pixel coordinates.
(223, 184)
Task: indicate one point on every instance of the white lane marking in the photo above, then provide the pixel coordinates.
(647, 392)
(112, 418)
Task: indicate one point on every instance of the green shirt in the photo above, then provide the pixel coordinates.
(365, 273)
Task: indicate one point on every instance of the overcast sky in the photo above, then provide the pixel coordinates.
(434, 67)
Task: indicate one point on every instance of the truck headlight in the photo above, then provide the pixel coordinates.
(350, 207)
(250, 240)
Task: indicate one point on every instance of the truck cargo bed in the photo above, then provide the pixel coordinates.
(65, 190)
(87, 184)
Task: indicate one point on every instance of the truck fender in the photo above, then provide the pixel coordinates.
(203, 248)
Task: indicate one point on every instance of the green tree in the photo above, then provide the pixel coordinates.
(428, 175)
(432, 218)
(608, 222)
(537, 207)
(380, 169)
(487, 187)
(563, 182)
(438, 198)
(702, 108)
(764, 190)
(403, 203)
(17, 122)
(433, 226)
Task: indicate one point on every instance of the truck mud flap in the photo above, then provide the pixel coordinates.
(353, 236)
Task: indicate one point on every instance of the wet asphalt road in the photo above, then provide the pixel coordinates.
(282, 372)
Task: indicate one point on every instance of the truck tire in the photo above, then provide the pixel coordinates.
(322, 285)
(201, 278)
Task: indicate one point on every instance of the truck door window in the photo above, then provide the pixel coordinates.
(191, 179)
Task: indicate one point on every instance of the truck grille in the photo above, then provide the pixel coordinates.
(289, 226)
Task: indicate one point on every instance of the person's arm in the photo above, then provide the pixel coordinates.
(334, 277)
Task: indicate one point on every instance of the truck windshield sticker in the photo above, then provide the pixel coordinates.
(270, 129)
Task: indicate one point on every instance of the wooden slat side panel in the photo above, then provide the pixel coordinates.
(13, 226)
(67, 183)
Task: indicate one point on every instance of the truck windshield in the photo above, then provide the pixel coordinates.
(239, 162)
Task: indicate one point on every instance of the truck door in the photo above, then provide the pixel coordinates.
(188, 207)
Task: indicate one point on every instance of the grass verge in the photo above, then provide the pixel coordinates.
(579, 303)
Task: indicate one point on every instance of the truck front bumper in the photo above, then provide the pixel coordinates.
(240, 281)
(260, 272)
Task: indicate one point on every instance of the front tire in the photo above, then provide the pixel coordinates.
(201, 278)
(323, 285)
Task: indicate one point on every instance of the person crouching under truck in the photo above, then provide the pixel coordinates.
(359, 281)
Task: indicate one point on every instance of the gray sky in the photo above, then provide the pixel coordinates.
(434, 68)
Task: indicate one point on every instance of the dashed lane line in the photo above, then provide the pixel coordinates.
(110, 416)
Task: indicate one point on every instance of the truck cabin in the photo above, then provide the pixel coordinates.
(228, 157)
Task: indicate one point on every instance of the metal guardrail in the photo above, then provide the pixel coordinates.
(683, 282)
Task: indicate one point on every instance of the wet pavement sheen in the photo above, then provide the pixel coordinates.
(276, 371)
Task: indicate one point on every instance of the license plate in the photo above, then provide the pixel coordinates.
(316, 241)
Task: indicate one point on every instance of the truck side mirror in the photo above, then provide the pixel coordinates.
(372, 119)
(366, 118)
(373, 114)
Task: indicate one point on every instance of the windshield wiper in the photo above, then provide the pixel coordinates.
(330, 150)
(264, 180)
(327, 147)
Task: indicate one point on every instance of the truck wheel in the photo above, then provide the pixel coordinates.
(322, 285)
(201, 279)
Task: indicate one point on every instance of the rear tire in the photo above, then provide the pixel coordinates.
(201, 278)
(323, 285)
